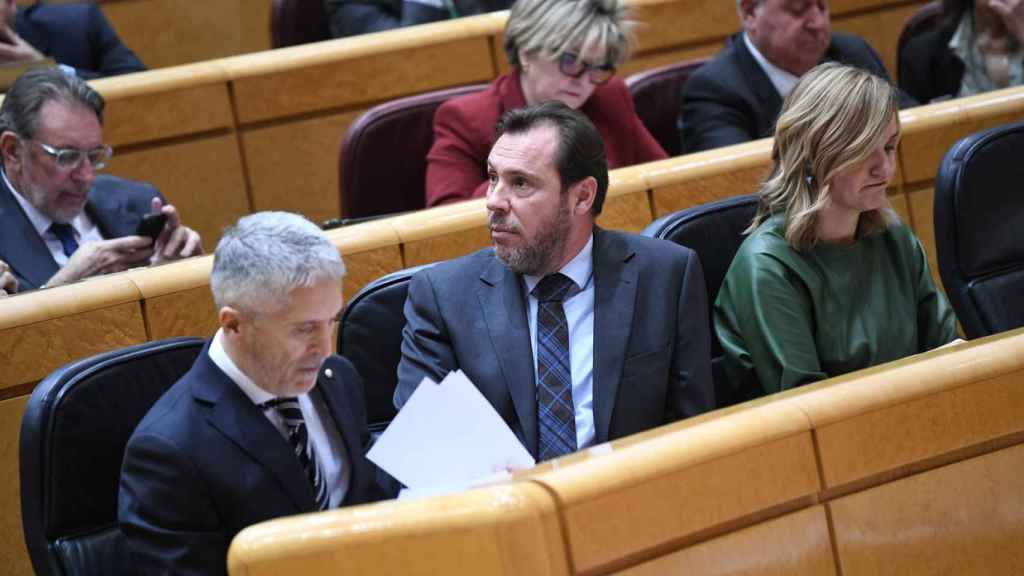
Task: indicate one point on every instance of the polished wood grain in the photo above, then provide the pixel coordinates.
(761, 458)
(13, 553)
(796, 543)
(966, 518)
(510, 529)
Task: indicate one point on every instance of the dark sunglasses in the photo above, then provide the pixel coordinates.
(571, 65)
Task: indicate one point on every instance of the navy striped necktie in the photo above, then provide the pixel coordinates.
(556, 416)
(287, 408)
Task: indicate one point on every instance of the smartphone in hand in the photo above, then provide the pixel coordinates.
(151, 225)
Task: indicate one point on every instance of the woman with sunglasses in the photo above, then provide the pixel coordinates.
(565, 50)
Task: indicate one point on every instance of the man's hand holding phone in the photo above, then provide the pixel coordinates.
(173, 240)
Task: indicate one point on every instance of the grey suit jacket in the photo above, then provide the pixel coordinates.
(731, 100)
(651, 340)
(116, 205)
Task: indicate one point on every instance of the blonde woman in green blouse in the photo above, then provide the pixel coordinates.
(829, 280)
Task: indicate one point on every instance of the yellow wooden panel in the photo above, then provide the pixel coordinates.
(159, 113)
(921, 202)
(13, 553)
(796, 543)
(294, 166)
(881, 28)
(694, 179)
(202, 178)
(667, 490)
(627, 205)
(446, 246)
(171, 32)
(643, 62)
(509, 529)
(679, 22)
(185, 313)
(65, 324)
(928, 132)
(443, 232)
(965, 518)
(354, 71)
(968, 411)
(365, 267)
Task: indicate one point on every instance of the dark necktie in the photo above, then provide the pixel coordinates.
(66, 234)
(556, 417)
(288, 408)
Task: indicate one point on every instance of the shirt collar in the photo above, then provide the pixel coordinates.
(781, 79)
(220, 357)
(579, 269)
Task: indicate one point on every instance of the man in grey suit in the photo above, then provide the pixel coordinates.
(576, 335)
(60, 221)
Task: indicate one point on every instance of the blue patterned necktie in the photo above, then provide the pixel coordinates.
(287, 408)
(556, 417)
(66, 234)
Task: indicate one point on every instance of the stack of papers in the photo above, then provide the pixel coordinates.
(448, 437)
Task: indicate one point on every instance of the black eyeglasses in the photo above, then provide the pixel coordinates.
(573, 66)
(71, 158)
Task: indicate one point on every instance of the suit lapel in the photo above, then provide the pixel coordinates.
(502, 305)
(615, 283)
(234, 414)
(767, 95)
(344, 421)
(25, 251)
(111, 214)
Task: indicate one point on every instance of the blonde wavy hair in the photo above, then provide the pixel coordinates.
(830, 121)
(552, 27)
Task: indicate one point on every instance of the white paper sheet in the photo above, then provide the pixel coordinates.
(446, 437)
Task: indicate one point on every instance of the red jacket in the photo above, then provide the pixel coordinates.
(464, 134)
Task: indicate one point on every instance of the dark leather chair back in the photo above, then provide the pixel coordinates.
(979, 229)
(658, 96)
(295, 22)
(383, 162)
(73, 436)
(370, 336)
(926, 18)
(714, 231)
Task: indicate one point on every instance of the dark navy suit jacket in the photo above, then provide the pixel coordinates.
(731, 100)
(205, 462)
(652, 358)
(77, 35)
(116, 205)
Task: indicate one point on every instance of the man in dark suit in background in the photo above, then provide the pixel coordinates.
(267, 423)
(74, 35)
(737, 96)
(59, 221)
(352, 17)
(576, 335)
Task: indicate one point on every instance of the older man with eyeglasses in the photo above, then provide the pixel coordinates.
(60, 221)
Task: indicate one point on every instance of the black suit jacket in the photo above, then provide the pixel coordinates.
(205, 462)
(651, 340)
(116, 205)
(929, 70)
(351, 17)
(77, 35)
(731, 100)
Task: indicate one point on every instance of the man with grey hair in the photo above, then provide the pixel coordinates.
(737, 96)
(60, 221)
(267, 423)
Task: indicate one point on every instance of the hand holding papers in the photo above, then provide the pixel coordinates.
(447, 437)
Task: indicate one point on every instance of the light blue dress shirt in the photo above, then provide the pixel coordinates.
(579, 314)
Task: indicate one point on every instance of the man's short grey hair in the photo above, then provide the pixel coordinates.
(260, 260)
(22, 103)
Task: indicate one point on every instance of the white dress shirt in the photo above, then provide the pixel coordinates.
(783, 81)
(85, 229)
(579, 315)
(327, 443)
